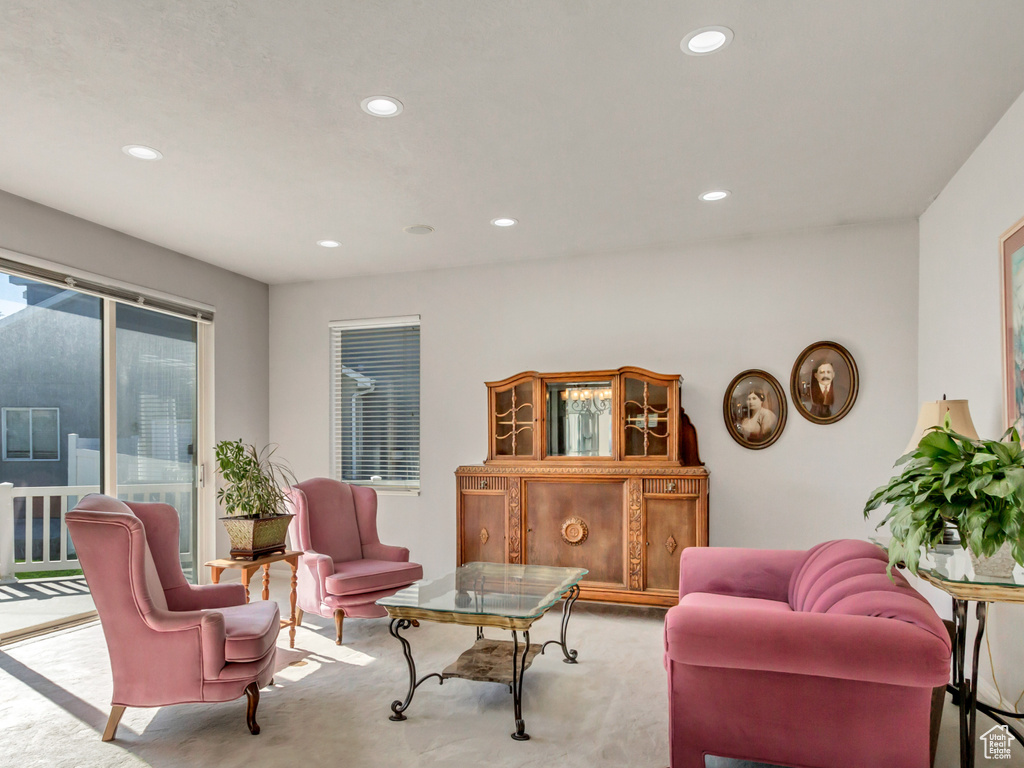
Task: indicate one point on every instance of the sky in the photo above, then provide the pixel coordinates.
(12, 297)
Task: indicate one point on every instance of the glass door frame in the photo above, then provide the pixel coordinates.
(205, 523)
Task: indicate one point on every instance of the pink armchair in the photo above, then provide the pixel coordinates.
(170, 642)
(344, 568)
(812, 659)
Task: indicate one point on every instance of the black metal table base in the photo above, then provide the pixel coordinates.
(568, 654)
(965, 690)
(519, 664)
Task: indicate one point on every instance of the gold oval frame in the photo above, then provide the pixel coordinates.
(730, 419)
(829, 349)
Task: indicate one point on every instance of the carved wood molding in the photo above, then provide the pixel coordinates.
(484, 536)
(515, 554)
(635, 535)
(574, 531)
(495, 469)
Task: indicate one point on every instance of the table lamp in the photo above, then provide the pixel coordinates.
(933, 414)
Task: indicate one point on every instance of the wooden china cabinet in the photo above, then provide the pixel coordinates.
(592, 469)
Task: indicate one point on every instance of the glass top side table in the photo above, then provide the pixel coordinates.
(982, 590)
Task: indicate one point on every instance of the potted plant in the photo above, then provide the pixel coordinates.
(253, 498)
(975, 486)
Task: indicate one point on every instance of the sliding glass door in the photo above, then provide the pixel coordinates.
(96, 395)
(157, 416)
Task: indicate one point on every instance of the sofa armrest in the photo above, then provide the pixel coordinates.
(194, 598)
(763, 573)
(209, 625)
(850, 647)
(378, 551)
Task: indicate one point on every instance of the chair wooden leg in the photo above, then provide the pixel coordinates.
(339, 618)
(298, 617)
(252, 694)
(115, 717)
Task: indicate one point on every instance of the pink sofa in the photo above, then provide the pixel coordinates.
(170, 642)
(811, 659)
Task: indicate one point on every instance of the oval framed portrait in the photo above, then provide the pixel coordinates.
(824, 382)
(755, 409)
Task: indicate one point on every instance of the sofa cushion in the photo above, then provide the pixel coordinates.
(250, 630)
(356, 576)
(732, 602)
(823, 558)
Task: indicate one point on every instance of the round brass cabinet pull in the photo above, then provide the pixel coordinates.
(574, 531)
(483, 483)
(672, 487)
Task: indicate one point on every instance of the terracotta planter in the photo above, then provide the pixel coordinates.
(253, 537)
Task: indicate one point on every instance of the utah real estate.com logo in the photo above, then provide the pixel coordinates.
(997, 743)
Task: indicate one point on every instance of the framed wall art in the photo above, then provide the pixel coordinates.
(824, 382)
(755, 409)
(1011, 249)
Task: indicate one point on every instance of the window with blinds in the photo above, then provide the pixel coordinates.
(375, 402)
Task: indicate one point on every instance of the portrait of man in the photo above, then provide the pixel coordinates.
(825, 382)
(822, 393)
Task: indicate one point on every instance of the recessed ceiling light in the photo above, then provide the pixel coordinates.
(706, 40)
(419, 229)
(142, 153)
(714, 194)
(381, 106)
(328, 243)
(504, 222)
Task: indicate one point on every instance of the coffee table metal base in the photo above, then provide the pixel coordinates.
(487, 661)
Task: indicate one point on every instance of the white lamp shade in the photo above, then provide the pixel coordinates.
(933, 414)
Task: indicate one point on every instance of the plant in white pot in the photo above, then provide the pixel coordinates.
(976, 486)
(252, 492)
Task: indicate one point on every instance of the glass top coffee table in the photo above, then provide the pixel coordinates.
(510, 597)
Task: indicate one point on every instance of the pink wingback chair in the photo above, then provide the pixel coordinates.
(170, 642)
(344, 567)
(801, 658)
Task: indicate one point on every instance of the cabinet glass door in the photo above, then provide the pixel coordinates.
(579, 418)
(646, 427)
(514, 419)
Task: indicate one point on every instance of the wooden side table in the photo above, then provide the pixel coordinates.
(249, 567)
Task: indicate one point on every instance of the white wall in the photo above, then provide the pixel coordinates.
(241, 325)
(960, 323)
(707, 312)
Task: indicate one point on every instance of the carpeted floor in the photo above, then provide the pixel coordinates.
(330, 705)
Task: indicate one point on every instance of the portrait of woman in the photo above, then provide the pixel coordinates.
(755, 409)
(824, 382)
(760, 421)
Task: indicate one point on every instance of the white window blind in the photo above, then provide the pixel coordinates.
(375, 402)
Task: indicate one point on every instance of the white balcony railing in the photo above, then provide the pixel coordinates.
(34, 536)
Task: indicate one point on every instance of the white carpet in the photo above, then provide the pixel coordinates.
(330, 705)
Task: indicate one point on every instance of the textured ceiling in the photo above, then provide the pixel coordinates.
(580, 118)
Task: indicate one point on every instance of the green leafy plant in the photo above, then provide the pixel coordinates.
(975, 485)
(252, 481)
